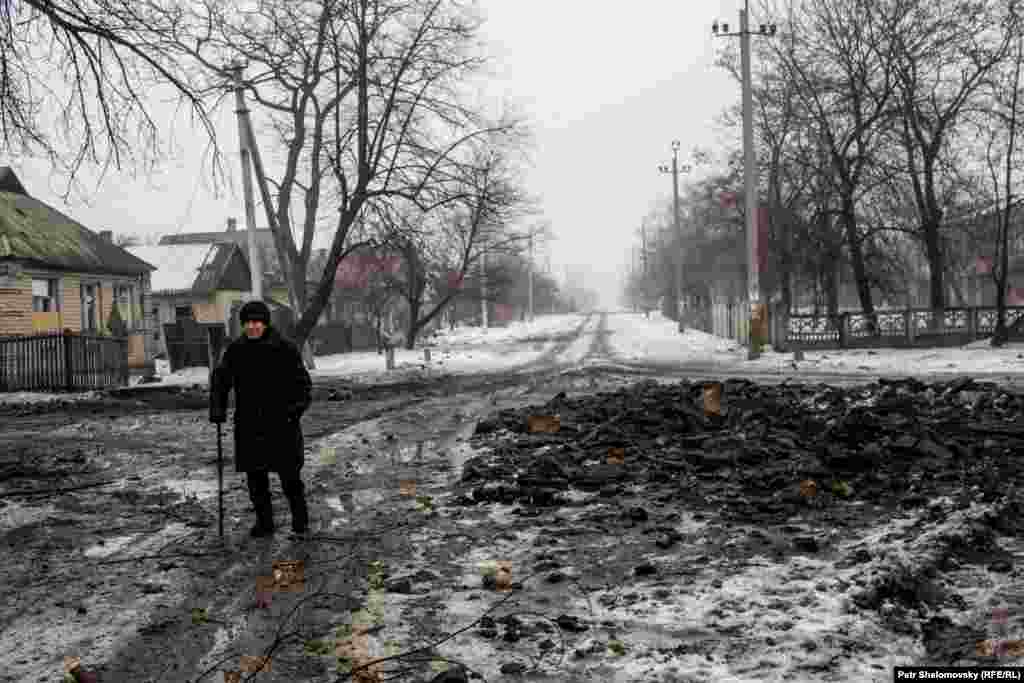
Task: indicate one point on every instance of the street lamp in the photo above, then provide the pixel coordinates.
(677, 252)
(758, 313)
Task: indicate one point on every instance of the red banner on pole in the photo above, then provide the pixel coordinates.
(355, 270)
(454, 279)
(391, 265)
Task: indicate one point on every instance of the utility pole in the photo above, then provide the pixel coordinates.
(483, 286)
(676, 223)
(643, 248)
(255, 267)
(643, 265)
(530, 304)
(758, 310)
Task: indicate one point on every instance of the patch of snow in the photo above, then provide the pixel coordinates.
(16, 514)
(199, 488)
(31, 397)
(109, 546)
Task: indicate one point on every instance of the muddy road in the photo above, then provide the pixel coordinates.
(108, 518)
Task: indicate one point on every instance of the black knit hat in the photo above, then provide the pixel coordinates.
(254, 310)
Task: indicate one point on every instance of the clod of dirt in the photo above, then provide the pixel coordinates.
(637, 514)
(807, 544)
(571, 624)
(452, 675)
(1000, 566)
(401, 585)
(513, 668)
(645, 569)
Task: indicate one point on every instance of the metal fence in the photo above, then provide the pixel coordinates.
(62, 361)
(918, 327)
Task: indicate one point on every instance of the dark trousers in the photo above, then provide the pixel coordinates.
(294, 491)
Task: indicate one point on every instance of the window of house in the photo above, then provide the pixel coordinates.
(123, 295)
(44, 295)
(88, 295)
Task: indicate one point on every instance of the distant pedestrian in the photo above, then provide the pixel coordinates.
(272, 391)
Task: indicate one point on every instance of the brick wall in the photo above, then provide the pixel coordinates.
(71, 301)
(16, 307)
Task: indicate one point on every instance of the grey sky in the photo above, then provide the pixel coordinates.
(607, 87)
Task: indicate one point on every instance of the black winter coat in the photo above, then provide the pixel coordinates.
(272, 391)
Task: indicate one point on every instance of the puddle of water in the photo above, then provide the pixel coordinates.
(186, 488)
(110, 546)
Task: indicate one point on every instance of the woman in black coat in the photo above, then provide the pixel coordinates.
(272, 391)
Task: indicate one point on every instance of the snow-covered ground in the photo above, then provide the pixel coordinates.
(658, 340)
(632, 337)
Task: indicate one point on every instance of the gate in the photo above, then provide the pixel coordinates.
(188, 342)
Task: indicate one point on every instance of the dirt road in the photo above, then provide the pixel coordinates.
(108, 521)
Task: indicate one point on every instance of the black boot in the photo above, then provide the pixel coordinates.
(260, 530)
(259, 494)
(295, 492)
(264, 521)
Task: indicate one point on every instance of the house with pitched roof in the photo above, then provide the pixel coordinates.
(274, 286)
(56, 274)
(193, 282)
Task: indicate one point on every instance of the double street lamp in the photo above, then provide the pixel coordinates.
(677, 252)
(758, 312)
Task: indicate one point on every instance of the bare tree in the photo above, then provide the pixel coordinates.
(75, 82)
(366, 100)
(846, 84)
(942, 53)
(1004, 136)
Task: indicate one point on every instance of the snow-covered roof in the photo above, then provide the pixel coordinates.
(177, 264)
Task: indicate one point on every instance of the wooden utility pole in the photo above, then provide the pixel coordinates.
(483, 286)
(255, 266)
(530, 294)
(677, 262)
(758, 308)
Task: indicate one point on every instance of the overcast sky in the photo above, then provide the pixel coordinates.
(606, 85)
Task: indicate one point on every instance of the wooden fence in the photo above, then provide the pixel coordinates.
(917, 327)
(62, 361)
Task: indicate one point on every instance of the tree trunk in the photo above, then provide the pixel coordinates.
(860, 273)
(415, 324)
(830, 284)
(936, 288)
(1001, 334)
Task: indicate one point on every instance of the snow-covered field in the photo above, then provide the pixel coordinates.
(633, 338)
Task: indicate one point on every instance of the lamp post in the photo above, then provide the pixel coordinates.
(758, 313)
(677, 252)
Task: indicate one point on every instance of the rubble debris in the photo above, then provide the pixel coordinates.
(779, 447)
